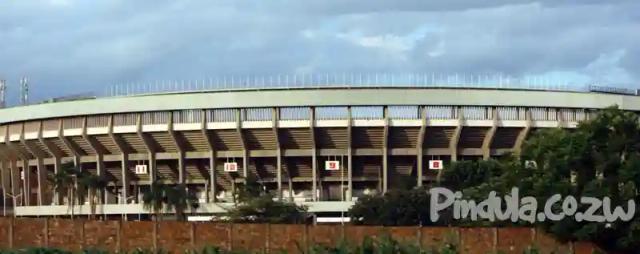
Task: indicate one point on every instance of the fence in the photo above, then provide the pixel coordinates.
(177, 237)
(353, 80)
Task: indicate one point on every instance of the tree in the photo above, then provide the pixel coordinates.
(153, 199)
(598, 159)
(92, 184)
(179, 198)
(398, 207)
(265, 209)
(64, 181)
(160, 196)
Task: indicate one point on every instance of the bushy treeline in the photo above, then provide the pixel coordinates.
(600, 158)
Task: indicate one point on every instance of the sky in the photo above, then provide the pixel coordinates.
(72, 46)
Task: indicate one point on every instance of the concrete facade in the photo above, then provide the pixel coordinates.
(383, 138)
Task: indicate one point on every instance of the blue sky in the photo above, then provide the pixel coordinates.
(70, 46)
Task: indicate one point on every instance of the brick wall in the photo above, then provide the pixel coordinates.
(176, 237)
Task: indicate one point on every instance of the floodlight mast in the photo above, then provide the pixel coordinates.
(24, 91)
(3, 90)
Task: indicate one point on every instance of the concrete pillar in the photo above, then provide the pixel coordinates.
(420, 144)
(314, 154)
(42, 181)
(57, 196)
(275, 118)
(26, 182)
(385, 152)
(125, 178)
(15, 182)
(212, 158)
(212, 176)
(349, 155)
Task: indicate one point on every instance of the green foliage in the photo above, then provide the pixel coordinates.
(79, 184)
(383, 245)
(601, 158)
(177, 197)
(266, 209)
(251, 188)
(35, 250)
(394, 208)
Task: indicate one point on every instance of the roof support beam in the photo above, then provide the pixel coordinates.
(19, 153)
(181, 163)
(522, 136)
(31, 149)
(488, 138)
(52, 150)
(75, 151)
(98, 149)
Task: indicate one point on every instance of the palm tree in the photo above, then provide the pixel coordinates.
(92, 184)
(154, 198)
(160, 196)
(64, 181)
(180, 198)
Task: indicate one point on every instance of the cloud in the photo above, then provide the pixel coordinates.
(69, 46)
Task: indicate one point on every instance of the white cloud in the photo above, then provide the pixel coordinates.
(88, 44)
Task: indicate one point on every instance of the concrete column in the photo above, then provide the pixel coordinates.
(57, 164)
(245, 149)
(212, 176)
(314, 154)
(275, 118)
(42, 181)
(15, 182)
(125, 177)
(5, 175)
(26, 182)
(6, 183)
(212, 158)
(385, 152)
(419, 145)
(349, 156)
(100, 171)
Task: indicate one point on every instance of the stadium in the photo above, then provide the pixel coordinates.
(321, 146)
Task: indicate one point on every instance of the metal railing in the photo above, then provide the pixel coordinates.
(319, 81)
